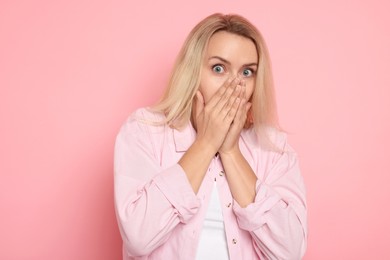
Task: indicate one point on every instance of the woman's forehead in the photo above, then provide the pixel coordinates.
(231, 47)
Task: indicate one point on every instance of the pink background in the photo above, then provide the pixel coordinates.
(72, 71)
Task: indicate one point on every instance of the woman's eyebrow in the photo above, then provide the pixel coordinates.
(220, 58)
(227, 62)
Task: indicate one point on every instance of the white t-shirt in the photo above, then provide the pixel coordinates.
(212, 243)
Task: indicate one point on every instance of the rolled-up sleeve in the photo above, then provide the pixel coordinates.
(150, 200)
(277, 217)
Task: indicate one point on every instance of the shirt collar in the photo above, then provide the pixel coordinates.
(184, 137)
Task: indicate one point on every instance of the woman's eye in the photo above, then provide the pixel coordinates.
(218, 69)
(247, 72)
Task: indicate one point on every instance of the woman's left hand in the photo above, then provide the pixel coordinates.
(231, 140)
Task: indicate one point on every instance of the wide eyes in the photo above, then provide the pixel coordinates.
(219, 69)
(247, 72)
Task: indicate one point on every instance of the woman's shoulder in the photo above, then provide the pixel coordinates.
(146, 113)
(143, 120)
(145, 116)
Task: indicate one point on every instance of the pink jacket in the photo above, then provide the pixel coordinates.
(160, 217)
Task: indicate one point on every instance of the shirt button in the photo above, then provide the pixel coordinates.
(234, 241)
(221, 173)
(228, 205)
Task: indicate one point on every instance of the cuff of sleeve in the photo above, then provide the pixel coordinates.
(253, 216)
(175, 186)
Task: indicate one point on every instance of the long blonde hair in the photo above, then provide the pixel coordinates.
(176, 103)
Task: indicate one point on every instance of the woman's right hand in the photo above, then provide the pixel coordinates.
(213, 120)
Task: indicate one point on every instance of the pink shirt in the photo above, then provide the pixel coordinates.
(160, 217)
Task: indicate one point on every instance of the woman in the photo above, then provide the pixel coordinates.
(205, 173)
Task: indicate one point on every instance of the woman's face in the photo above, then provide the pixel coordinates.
(228, 55)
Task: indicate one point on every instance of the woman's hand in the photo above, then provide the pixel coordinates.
(212, 122)
(214, 119)
(231, 140)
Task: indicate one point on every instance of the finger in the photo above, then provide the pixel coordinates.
(199, 103)
(224, 99)
(241, 112)
(226, 102)
(220, 93)
(240, 115)
(248, 106)
(243, 84)
(232, 111)
(236, 95)
(241, 90)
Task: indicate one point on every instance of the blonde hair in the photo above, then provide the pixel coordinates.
(176, 103)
